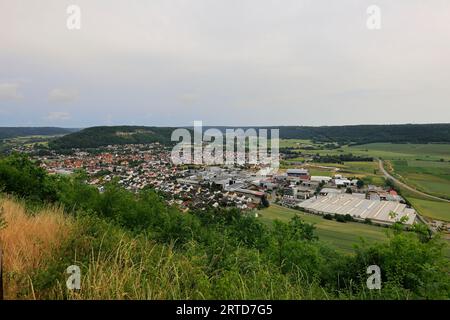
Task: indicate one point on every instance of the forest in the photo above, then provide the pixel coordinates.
(357, 134)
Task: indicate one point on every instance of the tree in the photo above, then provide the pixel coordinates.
(301, 230)
(21, 177)
(423, 232)
(360, 183)
(264, 202)
(280, 236)
(389, 183)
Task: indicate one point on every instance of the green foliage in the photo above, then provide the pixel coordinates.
(360, 183)
(135, 246)
(408, 265)
(102, 136)
(361, 134)
(264, 202)
(12, 132)
(21, 177)
(417, 133)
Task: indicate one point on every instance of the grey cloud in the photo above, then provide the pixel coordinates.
(56, 116)
(230, 61)
(63, 95)
(10, 91)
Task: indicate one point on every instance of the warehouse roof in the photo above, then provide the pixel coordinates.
(357, 206)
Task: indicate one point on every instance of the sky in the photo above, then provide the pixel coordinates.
(224, 62)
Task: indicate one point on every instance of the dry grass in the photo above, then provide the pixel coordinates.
(27, 240)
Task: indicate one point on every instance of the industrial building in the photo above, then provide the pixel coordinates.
(360, 208)
(302, 174)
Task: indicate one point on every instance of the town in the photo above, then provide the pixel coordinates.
(246, 187)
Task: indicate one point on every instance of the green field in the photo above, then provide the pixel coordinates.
(342, 236)
(432, 177)
(433, 209)
(388, 151)
(432, 151)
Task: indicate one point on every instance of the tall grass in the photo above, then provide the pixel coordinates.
(124, 267)
(27, 241)
(117, 263)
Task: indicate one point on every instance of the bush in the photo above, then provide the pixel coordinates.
(348, 217)
(21, 177)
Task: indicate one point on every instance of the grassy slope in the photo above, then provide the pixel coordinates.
(343, 236)
(117, 264)
(28, 242)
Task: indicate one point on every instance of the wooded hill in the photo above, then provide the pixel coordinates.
(357, 134)
(102, 136)
(13, 132)
(361, 134)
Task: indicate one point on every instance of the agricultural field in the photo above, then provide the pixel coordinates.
(432, 177)
(388, 151)
(429, 208)
(342, 236)
(25, 142)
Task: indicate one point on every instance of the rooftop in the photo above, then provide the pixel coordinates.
(358, 206)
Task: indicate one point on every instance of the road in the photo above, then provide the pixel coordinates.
(387, 175)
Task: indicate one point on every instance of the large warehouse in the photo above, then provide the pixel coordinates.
(359, 207)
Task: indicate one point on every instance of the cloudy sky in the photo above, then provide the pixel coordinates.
(225, 62)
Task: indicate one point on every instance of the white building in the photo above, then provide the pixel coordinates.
(360, 208)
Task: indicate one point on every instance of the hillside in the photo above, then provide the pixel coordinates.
(13, 132)
(404, 133)
(102, 136)
(360, 134)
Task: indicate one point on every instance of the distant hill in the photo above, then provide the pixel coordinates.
(102, 136)
(358, 134)
(13, 132)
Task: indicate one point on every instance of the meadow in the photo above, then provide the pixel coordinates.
(342, 236)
